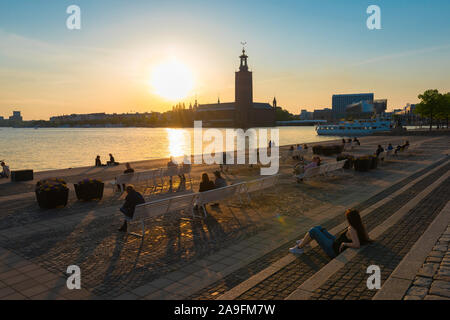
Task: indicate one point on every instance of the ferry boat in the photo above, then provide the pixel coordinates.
(354, 128)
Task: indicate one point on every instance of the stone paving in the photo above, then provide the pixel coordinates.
(349, 283)
(432, 282)
(287, 280)
(180, 257)
(284, 282)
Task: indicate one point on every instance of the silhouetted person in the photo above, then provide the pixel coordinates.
(219, 182)
(132, 199)
(223, 166)
(128, 169)
(186, 166)
(379, 150)
(112, 161)
(5, 170)
(206, 184)
(98, 162)
(171, 164)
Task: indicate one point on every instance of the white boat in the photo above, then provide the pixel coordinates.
(354, 128)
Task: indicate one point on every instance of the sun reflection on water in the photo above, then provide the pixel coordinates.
(179, 142)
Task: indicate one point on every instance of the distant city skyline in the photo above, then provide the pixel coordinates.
(302, 52)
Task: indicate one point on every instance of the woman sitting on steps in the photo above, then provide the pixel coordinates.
(353, 236)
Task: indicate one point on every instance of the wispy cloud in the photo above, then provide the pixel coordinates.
(399, 55)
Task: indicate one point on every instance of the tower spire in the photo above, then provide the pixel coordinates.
(243, 57)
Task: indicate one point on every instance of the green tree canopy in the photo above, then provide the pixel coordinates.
(431, 105)
(443, 112)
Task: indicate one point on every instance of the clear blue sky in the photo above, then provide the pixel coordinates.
(302, 51)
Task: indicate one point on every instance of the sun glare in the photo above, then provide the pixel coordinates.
(179, 142)
(172, 80)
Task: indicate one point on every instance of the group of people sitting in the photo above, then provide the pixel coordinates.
(380, 149)
(401, 147)
(135, 198)
(298, 147)
(172, 163)
(355, 140)
(5, 173)
(111, 162)
(302, 166)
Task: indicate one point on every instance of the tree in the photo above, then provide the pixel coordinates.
(431, 102)
(443, 112)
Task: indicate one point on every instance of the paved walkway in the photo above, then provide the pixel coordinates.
(277, 274)
(432, 282)
(203, 259)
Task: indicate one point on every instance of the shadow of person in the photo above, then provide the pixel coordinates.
(172, 229)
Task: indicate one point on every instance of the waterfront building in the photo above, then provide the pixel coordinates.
(16, 116)
(360, 110)
(306, 115)
(243, 112)
(341, 101)
(323, 114)
(380, 106)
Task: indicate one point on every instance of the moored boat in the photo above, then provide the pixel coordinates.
(354, 128)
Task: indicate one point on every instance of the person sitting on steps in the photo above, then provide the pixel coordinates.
(353, 236)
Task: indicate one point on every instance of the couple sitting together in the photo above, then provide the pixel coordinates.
(301, 167)
(134, 198)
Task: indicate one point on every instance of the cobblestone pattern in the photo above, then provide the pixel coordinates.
(237, 277)
(349, 283)
(433, 279)
(112, 263)
(285, 281)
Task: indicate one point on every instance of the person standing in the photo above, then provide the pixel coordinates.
(171, 164)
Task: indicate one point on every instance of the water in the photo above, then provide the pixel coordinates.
(61, 148)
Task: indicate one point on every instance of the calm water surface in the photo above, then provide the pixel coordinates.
(60, 148)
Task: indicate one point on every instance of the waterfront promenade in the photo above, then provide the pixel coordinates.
(240, 252)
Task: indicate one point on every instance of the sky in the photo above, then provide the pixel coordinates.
(300, 51)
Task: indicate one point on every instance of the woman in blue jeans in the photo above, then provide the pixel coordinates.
(352, 237)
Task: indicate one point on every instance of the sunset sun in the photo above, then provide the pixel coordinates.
(172, 80)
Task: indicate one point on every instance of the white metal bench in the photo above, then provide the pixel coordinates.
(258, 185)
(186, 170)
(148, 178)
(385, 155)
(215, 195)
(309, 173)
(300, 153)
(324, 169)
(122, 180)
(156, 208)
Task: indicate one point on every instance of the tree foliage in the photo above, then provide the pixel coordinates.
(434, 105)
